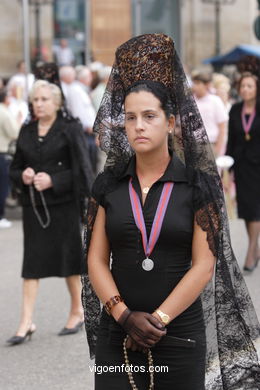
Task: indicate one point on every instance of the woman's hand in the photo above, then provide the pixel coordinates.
(28, 176)
(133, 346)
(42, 181)
(143, 328)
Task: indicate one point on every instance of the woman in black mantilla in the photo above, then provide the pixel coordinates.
(53, 176)
(244, 146)
(160, 306)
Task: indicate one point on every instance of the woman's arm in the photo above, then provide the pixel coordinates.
(142, 327)
(195, 280)
(98, 265)
(231, 135)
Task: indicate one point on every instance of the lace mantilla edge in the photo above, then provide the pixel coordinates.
(232, 327)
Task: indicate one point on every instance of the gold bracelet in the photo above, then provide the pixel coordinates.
(112, 302)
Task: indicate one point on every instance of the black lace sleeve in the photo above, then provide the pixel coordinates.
(90, 301)
(97, 192)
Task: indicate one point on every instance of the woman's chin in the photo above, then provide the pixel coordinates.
(142, 149)
(39, 115)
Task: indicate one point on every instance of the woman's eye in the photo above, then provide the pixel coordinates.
(150, 116)
(129, 118)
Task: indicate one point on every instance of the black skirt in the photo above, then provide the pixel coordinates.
(56, 250)
(247, 179)
(177, 367)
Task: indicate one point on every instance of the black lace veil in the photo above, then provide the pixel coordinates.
(232, 328)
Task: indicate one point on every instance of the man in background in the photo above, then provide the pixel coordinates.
(212, 110)
(75, 86)
(63, 54)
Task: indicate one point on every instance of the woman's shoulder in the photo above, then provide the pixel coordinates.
(72, 129)
(32, 124)
(69, 120)
(236, 107)
(69, 123)
(100, 186)
(107, 181)
(27, 128)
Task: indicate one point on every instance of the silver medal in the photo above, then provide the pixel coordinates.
(147, 264)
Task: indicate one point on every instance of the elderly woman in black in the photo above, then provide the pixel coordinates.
(51, 174)
(244, 146)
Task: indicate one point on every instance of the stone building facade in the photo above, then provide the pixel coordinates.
(11, 37)
(190, 22)
(198, 27)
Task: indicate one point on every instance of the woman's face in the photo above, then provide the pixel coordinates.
(146, 124)
(248, 88)
(44, 106)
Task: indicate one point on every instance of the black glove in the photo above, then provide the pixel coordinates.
(133, 346)
(142, 327)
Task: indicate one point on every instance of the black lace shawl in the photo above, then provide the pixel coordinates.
(232, 328)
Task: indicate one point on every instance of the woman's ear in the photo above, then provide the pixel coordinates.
(171, 123)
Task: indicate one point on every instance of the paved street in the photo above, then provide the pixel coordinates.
(49, 362)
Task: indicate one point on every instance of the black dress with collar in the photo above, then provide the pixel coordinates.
(146, 290)
(56, 250)
(247, 163)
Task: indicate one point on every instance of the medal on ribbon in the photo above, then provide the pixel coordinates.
(148, 263)
(247, 124)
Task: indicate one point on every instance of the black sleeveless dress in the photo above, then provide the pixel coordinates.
(247, 163)
(146, 290)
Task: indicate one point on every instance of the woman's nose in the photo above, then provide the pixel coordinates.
(139, 124)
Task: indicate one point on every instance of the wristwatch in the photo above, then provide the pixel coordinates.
(164, 317)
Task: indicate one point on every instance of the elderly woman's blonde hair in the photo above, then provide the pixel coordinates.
(221, 81)
(55, 91)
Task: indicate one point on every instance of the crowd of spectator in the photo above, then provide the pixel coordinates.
(83, 87)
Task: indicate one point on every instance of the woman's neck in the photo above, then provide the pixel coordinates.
(47, 121)
(152, 164)
(249, 104)
(44, 125)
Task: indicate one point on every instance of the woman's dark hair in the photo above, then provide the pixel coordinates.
(253, 76)
(158, 90)
(161, 93)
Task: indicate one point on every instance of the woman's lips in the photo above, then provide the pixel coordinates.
(139, 139)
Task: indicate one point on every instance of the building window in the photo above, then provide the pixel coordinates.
(69, 23)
